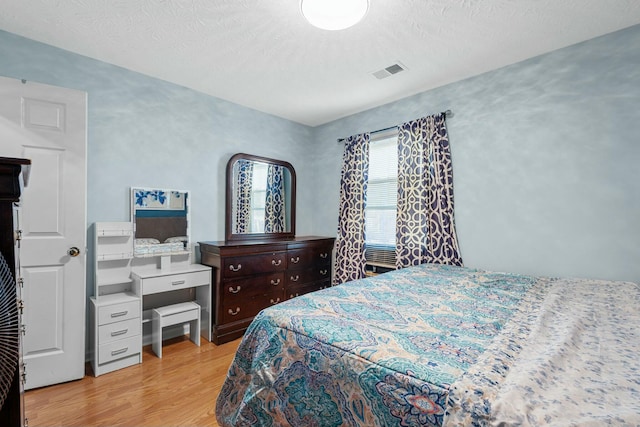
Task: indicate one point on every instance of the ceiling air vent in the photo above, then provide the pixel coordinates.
(389, 71)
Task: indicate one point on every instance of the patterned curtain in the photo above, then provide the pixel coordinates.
(274, 212)
(242, 209)
(425, 230)
(350, 260)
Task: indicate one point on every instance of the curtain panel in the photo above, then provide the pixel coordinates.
(242, 209)
(425, 230)
(274, 206)
(350, 243)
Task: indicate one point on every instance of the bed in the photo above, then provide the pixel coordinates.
(439, 345)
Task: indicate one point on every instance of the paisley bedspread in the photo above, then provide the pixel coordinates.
(433, 345)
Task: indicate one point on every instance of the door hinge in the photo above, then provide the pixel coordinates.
(23, 329)
(24, 373)
(20, 305)
(18, 235)
(21, 282)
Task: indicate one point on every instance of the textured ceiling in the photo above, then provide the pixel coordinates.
(264, 55)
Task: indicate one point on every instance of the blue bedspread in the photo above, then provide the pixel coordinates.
(433, 345)
(381, 351)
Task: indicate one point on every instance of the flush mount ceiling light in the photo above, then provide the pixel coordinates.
(334, 14)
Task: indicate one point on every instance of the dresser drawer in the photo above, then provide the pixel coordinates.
(253, 264)
(250, 287)
(118, 312)
(172, 282)
(118, 330)
(241, 309)
(119, 349)
(297, 290)
(298, 277)
(305, 257)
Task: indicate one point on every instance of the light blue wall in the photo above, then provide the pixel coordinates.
(144, 132)
(149, 133)
(545, 152)
(546, 160)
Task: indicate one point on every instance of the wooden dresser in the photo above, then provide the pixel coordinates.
(248, 276)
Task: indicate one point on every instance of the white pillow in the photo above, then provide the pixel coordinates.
(176, 239)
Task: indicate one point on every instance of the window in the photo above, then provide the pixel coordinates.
(258, 196)
(382, 197)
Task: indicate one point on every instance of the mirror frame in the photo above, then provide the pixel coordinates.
(238, 237)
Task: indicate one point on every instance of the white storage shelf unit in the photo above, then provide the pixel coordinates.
(113, 252)
(116, 305)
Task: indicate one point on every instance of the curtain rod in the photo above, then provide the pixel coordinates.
(447, 113)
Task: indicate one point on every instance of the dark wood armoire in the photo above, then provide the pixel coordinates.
(13, 176)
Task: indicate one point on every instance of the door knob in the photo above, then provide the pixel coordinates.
(73, 251)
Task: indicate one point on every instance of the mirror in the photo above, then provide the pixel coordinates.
(161, 221)
(261, 199)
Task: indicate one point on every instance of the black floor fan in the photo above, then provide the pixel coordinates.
(9, 339)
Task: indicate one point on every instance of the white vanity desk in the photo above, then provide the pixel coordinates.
(128, 290)
(177, 277)
(141, 265)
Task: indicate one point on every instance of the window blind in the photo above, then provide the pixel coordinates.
(382, 197)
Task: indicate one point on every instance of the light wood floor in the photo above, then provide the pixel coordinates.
(178, 390)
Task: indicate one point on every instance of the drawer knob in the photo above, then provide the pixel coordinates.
(122, 350)
(323, 272)
(293, 296)
(324, 255)
(119, 314)
(236, 290)
(295, 278)
(117, 333)
(232, 268)
(276, 262)
(178, 283)
(234, 312)
(295, 260)
(276, 301)
(275, 282)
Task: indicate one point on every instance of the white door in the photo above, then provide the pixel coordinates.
(47, 124)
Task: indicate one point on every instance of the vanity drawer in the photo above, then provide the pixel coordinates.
(254, 264)
(119, 349)
(118, 312)
(118, 330)
(253, 286)
(244, 308)
(172, 282)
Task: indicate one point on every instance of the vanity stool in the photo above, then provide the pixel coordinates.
(173, 315)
